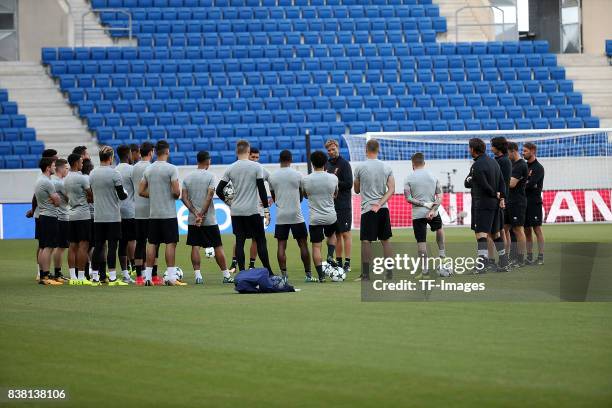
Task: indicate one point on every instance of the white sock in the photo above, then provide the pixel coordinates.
(81, 273)
(198, 274)
(442, 253)
(172, 273)
(112, 275)
(72, 273)
(94, 276)
(126, 274)
(148, 273)
(226, 274)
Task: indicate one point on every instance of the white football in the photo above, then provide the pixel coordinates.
(328, 270)
(228, 192)
(179, 274)
(445, 270)
(209, 252)
(338, 274)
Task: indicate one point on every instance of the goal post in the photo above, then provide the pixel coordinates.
(577, 163)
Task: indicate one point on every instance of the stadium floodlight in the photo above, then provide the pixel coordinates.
(577, 162)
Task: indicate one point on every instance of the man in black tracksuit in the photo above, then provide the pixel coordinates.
(487, 188)
(533, 214)
(337, 165)
(499, 148)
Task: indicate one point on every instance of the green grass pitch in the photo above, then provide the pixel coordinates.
(206, 346)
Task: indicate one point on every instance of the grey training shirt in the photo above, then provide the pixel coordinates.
(285, 182)
(127, 205)
(76, 185)
(372, 175)
(198, 184)
(43, 190)
(159, 177)
(243, 175)
(63, 211)
(422, 186)
(103, 181)
(320, 188)
(141, 204)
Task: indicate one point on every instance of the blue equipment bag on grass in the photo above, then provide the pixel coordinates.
(257, 281)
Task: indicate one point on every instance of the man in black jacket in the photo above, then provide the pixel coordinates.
(499, 148)
(487, 184)
(533, 215)
(343, 203)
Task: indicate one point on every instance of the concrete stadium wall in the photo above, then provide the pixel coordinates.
(16, 186)
(596, 27)
(43, 23)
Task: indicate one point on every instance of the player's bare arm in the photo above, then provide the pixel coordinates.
(206, 204)
(176, 189)
(143, 188)
(390, 191)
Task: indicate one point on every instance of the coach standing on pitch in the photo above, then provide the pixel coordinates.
(487, 184)
(533, 215)
(341, 168)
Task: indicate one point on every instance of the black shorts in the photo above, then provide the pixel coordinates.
(163, 231)
(419, 226)
(79, 230)
(299, 231)
(205, 236)
(36, 227)
(533, 215)
(249, 226)
(514, 215)
(319, 232)
(92, 232)
(486, 220)
(344, 220)
(63, 234)
(48, 231)
(375, 226)
(128, 229)
(106, 231)
(142, 230)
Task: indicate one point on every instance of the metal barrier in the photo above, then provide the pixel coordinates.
(457, 25)
(110, 29)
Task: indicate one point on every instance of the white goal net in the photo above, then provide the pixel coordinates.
(577, 163)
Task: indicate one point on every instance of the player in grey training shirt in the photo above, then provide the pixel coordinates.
(61, 170)
(375, 183)
(47, 200)
(160, 183)
(424, 192)
(107, 189)
(79, 196)
(321, 188)
(141, 213)
(202, 229)
(285, 189)
(127, 243)
(248, 182)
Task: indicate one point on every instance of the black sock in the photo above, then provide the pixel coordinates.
(102, 271)
(40, 273)
(347, 261)
(330, 251)
(540, 256)
(154, 271)
(520, 257)
(284, 273)
(44, 275)
(482, 248)
(319, 269)
(339, 260)
(251, 263)
(86, 270)
(138, 270)
(233, 265)
(365, 269)
(308, 274)
(58, 272)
